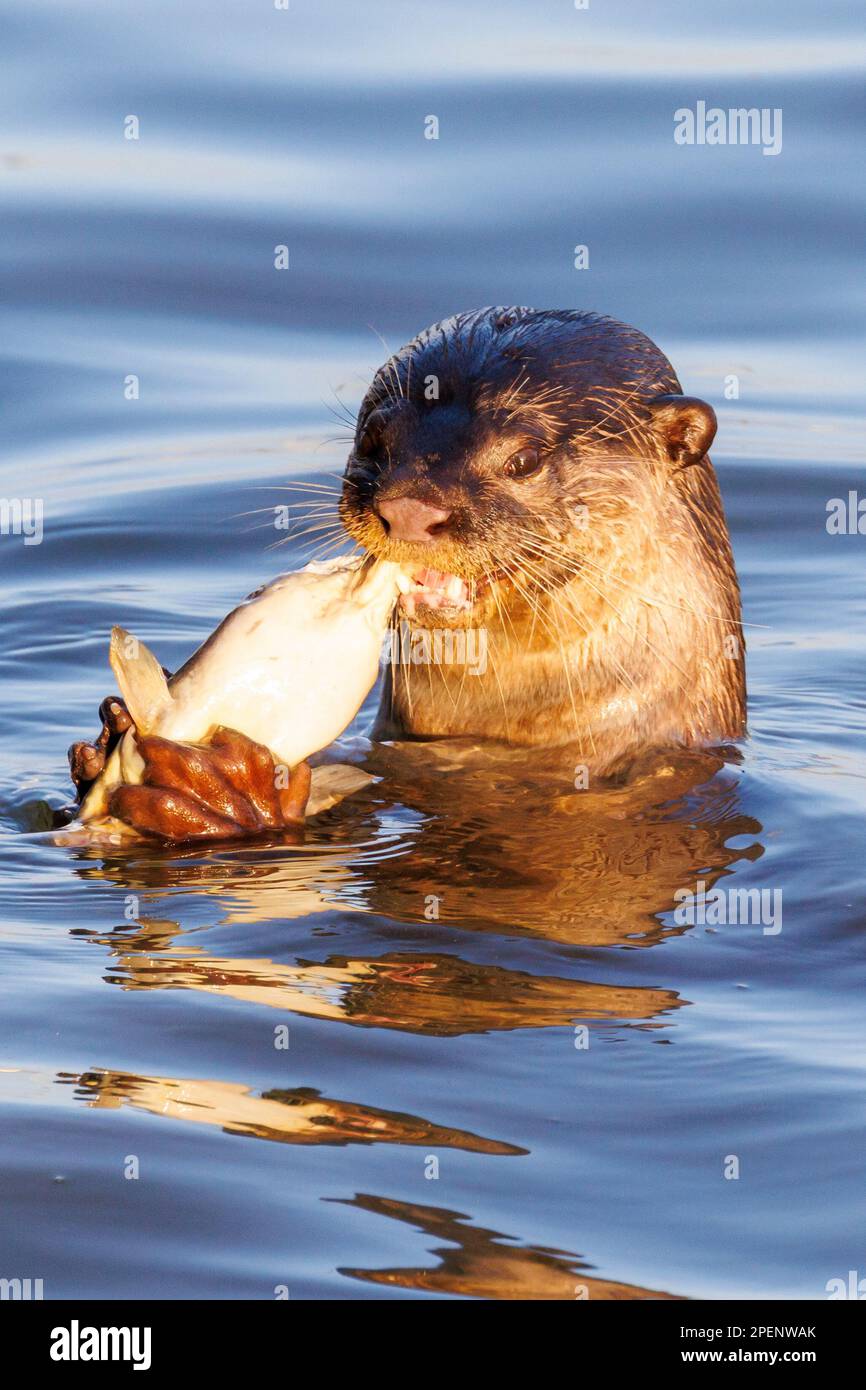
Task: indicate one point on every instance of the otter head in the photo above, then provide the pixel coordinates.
(506, 453)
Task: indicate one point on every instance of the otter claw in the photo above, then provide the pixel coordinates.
(115, 718)
(86, 761)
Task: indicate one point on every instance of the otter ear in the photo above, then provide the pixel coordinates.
(685, 425)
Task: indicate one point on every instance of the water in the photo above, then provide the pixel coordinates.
(140, 993)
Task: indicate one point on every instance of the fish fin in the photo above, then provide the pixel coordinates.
(140, 677)
(332, 783)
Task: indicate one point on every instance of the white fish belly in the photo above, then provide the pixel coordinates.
(289, 669)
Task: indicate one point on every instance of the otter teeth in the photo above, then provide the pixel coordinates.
(434, 589)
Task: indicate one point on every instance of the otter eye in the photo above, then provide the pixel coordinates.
(521, 464)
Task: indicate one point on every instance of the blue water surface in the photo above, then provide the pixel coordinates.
(435, 1125)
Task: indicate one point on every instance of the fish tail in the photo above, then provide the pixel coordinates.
(140, 677)
(332, 782)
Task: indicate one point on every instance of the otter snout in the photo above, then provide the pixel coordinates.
(410, 519)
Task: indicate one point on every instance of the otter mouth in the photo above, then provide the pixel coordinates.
(439, 592)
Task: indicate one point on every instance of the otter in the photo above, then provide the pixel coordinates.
(541, 477)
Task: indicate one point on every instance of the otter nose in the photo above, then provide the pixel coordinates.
(410, 519)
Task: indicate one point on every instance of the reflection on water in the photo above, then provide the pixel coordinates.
(298, 1116)
(498, 841)
(479, 1266)
(473, 957)
(417, 993)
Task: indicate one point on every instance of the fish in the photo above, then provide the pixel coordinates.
(289, 667)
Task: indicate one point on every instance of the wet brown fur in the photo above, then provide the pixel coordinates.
(613, 614)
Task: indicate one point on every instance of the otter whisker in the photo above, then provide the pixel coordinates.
(324, 549)
(346, 435)
(317, 489)
(323, 529)
(291, 533)
(576, 564)
(316, 510)
(326, 531)
(632, 626)
(565, 670)
(653, 601)
(558, 600)
(627, 397)
(390, 365)
(501, 613)
(342, 412)
(643, 637)
(511, 574)
(563, 600)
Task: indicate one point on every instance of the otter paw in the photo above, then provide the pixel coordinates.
(169, 815)
(86, 760)
(228, 788)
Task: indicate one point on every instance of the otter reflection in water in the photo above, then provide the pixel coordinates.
(498, 848)
(296, 1116)
(479, 1266)
(608, 886)
(429, 993)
